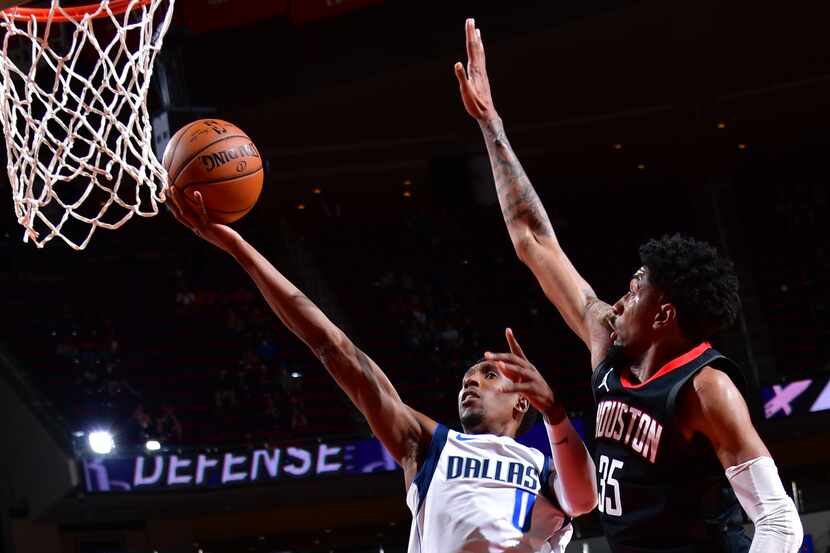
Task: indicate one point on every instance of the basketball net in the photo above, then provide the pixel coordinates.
(74, 113)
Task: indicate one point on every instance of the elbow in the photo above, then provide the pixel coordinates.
(781, 526)
(524, 246)
(789, 537)
(791, 529)
(532, 249)
(329, 344)
(582, 506)
(798, 536)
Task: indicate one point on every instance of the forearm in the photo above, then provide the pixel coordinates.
(523, 212)
(293, 308)
(352, 369)
(532, 234)
(575, 481)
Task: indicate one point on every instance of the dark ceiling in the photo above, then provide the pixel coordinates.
(369, 98)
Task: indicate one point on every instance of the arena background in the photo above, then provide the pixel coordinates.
(633, 119)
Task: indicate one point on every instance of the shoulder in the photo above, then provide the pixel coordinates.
(426, 424)
(424, 453)
(714, 389)
(429, 433)
(712, 404)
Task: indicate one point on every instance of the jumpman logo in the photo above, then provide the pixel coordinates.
(605, 381)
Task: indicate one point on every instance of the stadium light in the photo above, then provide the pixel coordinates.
(295, 374)
(152, 445)
(101, 442)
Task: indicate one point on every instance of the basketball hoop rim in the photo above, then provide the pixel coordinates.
(117, 7)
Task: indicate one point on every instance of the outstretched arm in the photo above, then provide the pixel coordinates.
(527, 221)
(403, 431)
(573, 479)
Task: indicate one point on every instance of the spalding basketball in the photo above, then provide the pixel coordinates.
(220, 161)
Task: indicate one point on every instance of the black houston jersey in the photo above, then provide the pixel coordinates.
(657, 491)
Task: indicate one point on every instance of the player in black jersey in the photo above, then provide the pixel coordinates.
(670, 416)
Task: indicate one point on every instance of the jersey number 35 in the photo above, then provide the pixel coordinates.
(609, 489)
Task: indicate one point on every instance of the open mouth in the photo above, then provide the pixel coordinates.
(468, 395)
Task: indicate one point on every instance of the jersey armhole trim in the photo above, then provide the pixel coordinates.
(704, 360)
(424, 476)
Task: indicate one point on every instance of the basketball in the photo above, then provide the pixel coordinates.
(219, 160)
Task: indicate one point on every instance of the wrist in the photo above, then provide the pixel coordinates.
(491, 123)
(555, 414)
(233, 243)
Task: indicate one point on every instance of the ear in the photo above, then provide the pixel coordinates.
(666, 316)
(522, 405)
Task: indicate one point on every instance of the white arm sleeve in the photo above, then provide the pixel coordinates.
(761, 494)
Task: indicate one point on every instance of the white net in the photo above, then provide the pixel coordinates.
(74, 111)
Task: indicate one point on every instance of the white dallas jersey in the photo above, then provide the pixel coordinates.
(484, 493)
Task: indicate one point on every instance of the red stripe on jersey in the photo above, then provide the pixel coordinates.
(669, 367)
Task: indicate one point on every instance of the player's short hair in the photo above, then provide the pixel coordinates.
(530, 416)
(700, 283)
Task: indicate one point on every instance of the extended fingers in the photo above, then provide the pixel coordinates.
(182, 209)
(200, 203)
(514, 344)
(508, 357)
(470, 29)
(514, 372)
(517, 387)
(460, 74)
(475, 47)
(173, 204)
(479, 48)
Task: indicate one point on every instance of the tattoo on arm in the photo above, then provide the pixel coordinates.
(517, 197)
(364, 366)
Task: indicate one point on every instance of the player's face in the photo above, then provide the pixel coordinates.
(482, 406)
(635, 313)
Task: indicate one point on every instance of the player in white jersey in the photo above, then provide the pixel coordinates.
(486, 492)
(480, 491)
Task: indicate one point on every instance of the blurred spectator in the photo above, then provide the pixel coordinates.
(299, 421)
(139, 427)
(225, 394)
(168, 427)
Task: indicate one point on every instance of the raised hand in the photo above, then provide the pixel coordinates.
(526, 379)
(196, 219)
(475, 85)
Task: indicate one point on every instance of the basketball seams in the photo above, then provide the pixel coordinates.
(226, 212)
(196, 154)
(178, 136)
(223, 211)
(221, 180)
(232, 188)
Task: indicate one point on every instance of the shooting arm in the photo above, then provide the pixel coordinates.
(401, 429)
